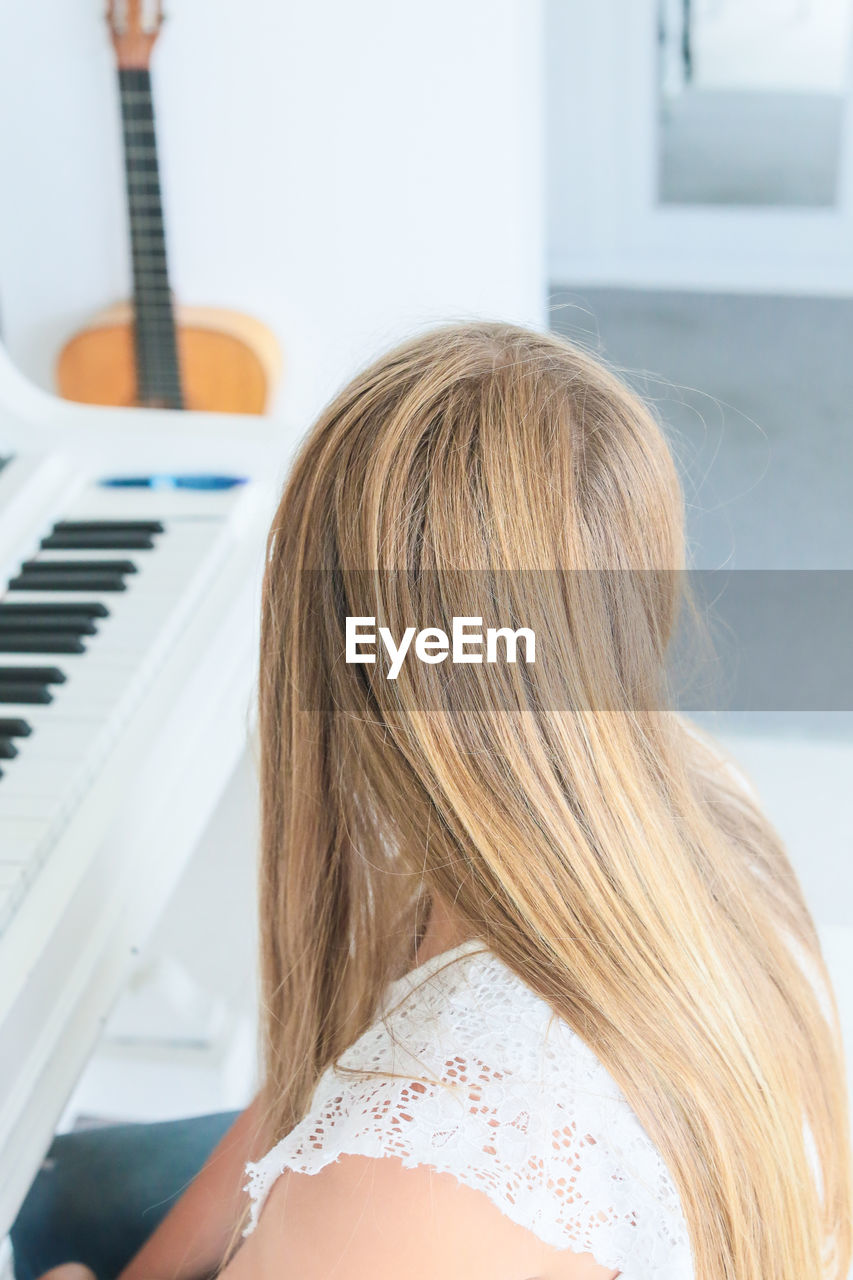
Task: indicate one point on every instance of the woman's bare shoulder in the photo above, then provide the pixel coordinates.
(366, 1218)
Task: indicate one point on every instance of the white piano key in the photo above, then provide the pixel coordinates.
(121, 604)
(23, 838)
(10, 874)
(85, 696)
(33, 774)
(12, 889)
(113, 662)
(37, 806)
(47, 713)
(92, 555)
(64, 739)
(34, 804)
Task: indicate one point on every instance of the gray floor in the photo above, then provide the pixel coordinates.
(756, 394)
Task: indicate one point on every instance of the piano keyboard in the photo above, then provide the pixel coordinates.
(128, 643)
(85, 620)
(128, 699)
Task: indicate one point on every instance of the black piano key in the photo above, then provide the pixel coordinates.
(78, 566)
(8, 750)
(83, 609)
(40, 642)
(44, 675)
(16, 691)
(31, 622)
(14, 727)
(126, 540)
(68, 582)
(110, 526)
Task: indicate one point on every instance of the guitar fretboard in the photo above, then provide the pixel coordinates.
(157, 366)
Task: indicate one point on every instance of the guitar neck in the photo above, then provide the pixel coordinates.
(156, 349)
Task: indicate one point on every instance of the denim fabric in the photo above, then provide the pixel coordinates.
(101, 1192)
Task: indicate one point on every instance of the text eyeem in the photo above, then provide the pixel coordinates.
(433, 645)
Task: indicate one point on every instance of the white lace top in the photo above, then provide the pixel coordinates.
(492, 1086)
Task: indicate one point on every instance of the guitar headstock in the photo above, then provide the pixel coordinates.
(134, 26)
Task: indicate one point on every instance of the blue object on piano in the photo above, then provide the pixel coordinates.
(173, 482)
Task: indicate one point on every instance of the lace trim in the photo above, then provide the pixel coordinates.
(547, 1135)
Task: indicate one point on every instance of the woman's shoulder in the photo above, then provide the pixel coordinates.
(465, 1003)
(469, 1072)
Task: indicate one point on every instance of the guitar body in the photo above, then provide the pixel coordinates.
(229, 362)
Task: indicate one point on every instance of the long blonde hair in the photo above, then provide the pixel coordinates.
(595, 842)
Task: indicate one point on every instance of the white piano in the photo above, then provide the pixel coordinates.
(128, 629)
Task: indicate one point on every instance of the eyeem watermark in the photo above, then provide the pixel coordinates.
(752, 641)
(433, 645)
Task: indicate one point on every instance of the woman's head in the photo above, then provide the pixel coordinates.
(575, 825)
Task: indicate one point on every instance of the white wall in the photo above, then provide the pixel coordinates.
(604, 223)
(342, 171)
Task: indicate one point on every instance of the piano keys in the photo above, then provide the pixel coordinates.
(128, 638)
(73, 708)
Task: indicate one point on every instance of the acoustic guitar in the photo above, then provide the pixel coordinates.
(148, 352)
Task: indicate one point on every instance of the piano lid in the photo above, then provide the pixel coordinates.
(143, 440)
